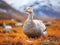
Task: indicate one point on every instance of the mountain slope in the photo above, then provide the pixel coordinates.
(45, 8)
(7, 12)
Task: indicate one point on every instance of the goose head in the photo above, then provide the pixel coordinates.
(29, 10)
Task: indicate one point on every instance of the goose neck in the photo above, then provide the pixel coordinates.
(30, 16)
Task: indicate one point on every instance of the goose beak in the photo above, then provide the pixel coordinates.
(27, 10)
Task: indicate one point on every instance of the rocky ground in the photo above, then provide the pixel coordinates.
(15, 35)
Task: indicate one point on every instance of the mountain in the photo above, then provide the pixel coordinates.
(42, 9)
(7, 12)
(45, 8)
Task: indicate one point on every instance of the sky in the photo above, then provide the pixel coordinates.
(20, 3)
(42, 7)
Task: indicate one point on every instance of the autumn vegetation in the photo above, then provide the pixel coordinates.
(19, 38)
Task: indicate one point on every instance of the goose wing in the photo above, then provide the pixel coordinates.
(40, 25)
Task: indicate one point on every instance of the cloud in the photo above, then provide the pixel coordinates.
(44, 7)
(55, 4)
(19, 3)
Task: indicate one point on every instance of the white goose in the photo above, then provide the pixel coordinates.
(33, 28)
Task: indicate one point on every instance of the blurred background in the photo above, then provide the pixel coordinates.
(43, 9)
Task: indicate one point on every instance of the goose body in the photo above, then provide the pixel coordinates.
(33, 28)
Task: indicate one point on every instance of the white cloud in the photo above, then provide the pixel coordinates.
(41, 14)
(35, 7)
(55, 4)
(20, 3)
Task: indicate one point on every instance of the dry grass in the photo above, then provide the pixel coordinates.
(20, 38)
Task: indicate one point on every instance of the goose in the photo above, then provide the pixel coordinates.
(33, 28)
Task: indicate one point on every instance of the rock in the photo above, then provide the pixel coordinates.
(5, 31)
(15, 31)
(54, 38)
(58, 28)
(48, 24)
(55, 22)
(47, 43)
(19, 24)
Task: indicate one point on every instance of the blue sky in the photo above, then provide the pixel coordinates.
(19, 3)
(46, 8)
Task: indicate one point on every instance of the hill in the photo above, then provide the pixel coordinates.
(7, 12)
